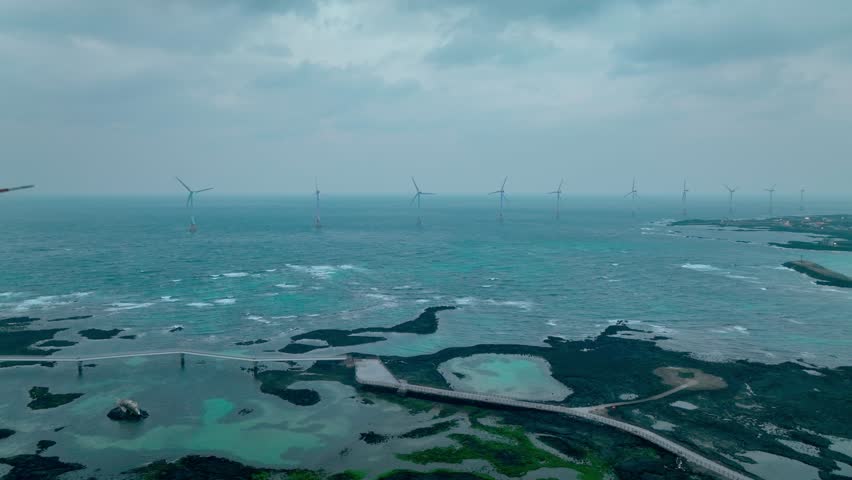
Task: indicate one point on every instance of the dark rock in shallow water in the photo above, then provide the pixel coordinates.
(36, 467)
(57, 343)
(373, 438)
(302, 397)
(57, 429)
(21, 342)
(42, 398)
(822, 275)
(299, 348)
(127, 411)
(43, 445)
(6, 433)
(196, 467)
(425, 323)
(98, 334)
(128, 337)
(176, 329)
(252, 342)
(16, 321)
(435, 475)
(79, 317)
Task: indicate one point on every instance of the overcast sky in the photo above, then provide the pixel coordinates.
(119, 96)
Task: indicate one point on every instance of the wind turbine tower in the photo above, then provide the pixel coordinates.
(190, 203)
(416, 198)
(633, 194)
(502, 193)
(683, 197)
(317, 223)
(771, 191)
(731, 198)
(558, 193)
(802, 199)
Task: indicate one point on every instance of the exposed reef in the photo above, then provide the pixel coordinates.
(197, 467)
(98, 334)
(425, 323)
(127, 411)
(823, 276)
(6, 433)
(834, 231)
(17, 321)
(57, 343)
(735, 400)
(43, 445)
(42, 398)
(252, 342)
(36, 467)
(78, 317)
(20, 342)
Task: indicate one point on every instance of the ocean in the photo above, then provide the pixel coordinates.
(257, 269)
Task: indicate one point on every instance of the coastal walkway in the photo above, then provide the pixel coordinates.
(159, 353)
(372, 372)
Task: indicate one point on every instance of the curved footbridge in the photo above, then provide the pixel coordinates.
(372, 372)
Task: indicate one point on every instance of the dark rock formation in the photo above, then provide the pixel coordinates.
(98, 334)
(36, 467)
(78, 317)
(6, 433)
(299, 348)
(128, 337)
(57, 343)
(21, 342)
(42, 398)
(822, 275)
(16, 321)
(43, 445)
(127, 411)
(176, 329)
(373, 438)
(252, 342)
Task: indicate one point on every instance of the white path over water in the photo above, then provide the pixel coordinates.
(155, 353)
(372, 372)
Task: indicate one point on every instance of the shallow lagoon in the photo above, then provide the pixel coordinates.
(516, 376)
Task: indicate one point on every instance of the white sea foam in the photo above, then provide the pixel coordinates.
(286, 285)
(421, 300)
(313, 315)
(176, 280)
(380, 296)
(199, 304)
(464, 301)
(628, 396)
(225, 301)
(48, 301)
(119, 306)
(522, 304)
(403, 287)
(285, 317)
(731, 329)
(270, 270)
(322, 272)
(10, 294)
(699, 267)
(814, 373)
(684, 405)
(257, 318)
(486, 286)
(168, 298)
(552, 323)
(235, 274)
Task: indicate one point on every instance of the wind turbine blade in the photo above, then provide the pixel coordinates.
(204, 190)
(184, 185)
(495, 191)
(414, 198)
(189, 199)
(427, 193)
(561, 181)
(503, 187)
(551, 193)
(416, 187)
(627, 194)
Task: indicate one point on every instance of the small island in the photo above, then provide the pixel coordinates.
(833, 232)
(823, 276)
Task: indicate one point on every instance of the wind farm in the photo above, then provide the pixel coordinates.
(416, 199)
(731, 192)
(190, 203)
(558, 193)
(502, 193)
(634, 195)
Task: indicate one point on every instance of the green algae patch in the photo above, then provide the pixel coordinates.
(433, 475)
(42, 398)
(431, 430)
(513, 455)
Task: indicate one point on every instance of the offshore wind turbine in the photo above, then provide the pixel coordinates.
(190, 203)
(633, 194)
(558, 193)
(731, 197)
(771, 191)
(802, 199)
(416, 197)
(317, 223)
(683, 197)
(12, 189)
(502, 193)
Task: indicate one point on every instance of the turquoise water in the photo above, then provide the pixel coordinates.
(257, 269)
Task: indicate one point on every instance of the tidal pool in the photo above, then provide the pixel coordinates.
(779, 468)
(516, 376)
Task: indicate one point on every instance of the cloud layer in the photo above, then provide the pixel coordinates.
(263, 96)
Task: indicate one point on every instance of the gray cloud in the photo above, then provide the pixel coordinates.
(263, 95)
